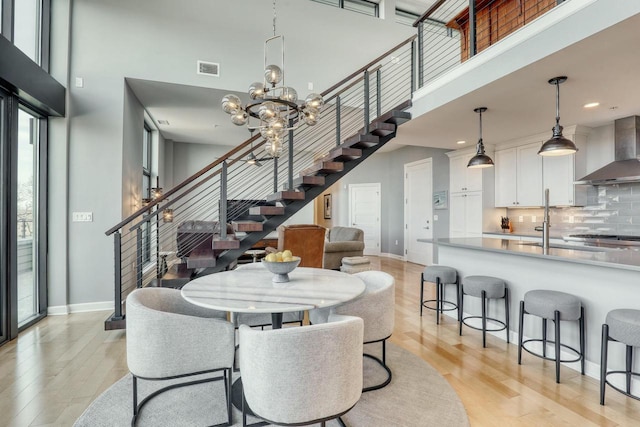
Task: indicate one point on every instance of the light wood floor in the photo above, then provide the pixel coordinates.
(51, 373)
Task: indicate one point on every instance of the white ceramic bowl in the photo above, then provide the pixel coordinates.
(281, 270)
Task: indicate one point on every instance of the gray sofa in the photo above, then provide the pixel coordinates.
(342, 242)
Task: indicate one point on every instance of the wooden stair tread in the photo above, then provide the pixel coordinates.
(228, 243)
(396, 117)
(342, 154)
(266, 210)
(201, 258)
(361, 141)
(309, 181)
(382, 128)
(285, 195)
(246, 225)
(323, 167)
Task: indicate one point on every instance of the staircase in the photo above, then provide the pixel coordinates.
(177, 237)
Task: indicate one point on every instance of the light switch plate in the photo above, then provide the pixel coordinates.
(435, 217)
(82, 217)
(533, 218)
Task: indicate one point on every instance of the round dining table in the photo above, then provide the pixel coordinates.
(249, 289)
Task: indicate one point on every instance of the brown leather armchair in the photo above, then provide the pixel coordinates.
(303, 240)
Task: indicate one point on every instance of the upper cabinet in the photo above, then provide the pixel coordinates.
(560, 172)
(522, 175)
(461, 177)
(519, 176)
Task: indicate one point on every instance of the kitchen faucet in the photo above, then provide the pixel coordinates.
(545, 224)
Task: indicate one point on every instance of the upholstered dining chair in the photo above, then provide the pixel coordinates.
(302, 376)
(169, 338)
(376, 307)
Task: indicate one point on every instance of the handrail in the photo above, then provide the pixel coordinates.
(241, 146)
(362, 69)
(429, 12)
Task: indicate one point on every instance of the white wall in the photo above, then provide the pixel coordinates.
(94, 156)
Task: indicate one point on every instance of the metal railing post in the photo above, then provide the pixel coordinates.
(117, 297)
(366, 102)
(275, 175)
(378, 93)
(421, 54)
(290, 183)
(139, 257)
(338, 120)
(413, 67)
(472, 28)
(223, 202)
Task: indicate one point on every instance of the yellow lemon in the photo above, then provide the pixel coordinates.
(286, 253)
(271, 258)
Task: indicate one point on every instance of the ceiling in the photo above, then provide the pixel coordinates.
(600, 68)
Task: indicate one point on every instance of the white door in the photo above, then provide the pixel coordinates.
(418, 212)
(364, 213)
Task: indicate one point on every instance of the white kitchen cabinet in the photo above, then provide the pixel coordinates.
(463, 178)
(519, 176)
(466, 214)
(559, 173)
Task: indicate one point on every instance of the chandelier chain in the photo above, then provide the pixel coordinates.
(274, 17)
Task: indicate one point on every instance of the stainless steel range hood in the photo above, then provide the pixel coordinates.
(626, 167)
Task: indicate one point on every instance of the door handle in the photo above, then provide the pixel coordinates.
(426, 228)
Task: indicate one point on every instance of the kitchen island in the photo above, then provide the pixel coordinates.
(604, 279)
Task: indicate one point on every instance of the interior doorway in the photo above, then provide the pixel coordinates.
(418, 212)
(364, 213)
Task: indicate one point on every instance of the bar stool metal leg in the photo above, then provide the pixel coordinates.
(484, 318)
(556, 317)
(506, 311)
(520, 332)
(544, 337)
(628, 366)
(460, 307)
(421, 292)
(603, 361)
(439, 298)
(458, 299)
(582, 339)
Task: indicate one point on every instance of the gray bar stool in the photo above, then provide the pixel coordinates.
(486, 288)
(555, 306)
(622, 325)
(441, 275)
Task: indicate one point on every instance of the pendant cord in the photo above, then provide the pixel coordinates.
(480, 136)
(557, 103)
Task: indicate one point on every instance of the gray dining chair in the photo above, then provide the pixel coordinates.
(291, 376)
(169, 338)
(376, 307)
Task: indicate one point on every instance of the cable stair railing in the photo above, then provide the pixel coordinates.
(178, 235)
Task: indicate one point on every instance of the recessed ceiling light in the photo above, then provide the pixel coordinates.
(163, 122)
(461, 142)
(591, 105)
(615, 107)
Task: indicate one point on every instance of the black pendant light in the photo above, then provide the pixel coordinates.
(558, 145)
(480, 160)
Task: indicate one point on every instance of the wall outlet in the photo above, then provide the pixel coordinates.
(79, 82)
(520, 218)
(435, 217)
(396, 242)
(570, 219)
(533, 218)
(82, 217)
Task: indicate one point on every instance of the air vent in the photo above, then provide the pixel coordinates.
(163, 122)
(209, 68)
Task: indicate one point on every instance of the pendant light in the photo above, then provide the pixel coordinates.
(558, 145)
(480, 160)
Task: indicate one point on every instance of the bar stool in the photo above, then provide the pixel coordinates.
(622, 325)
(555, 306)
(486, 288)
(441, 275)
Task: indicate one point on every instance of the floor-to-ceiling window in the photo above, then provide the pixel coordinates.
(27, 97)
(27, 215)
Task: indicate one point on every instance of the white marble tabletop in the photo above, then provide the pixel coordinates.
(250, 290)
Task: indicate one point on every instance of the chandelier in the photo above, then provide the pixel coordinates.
(274, 108)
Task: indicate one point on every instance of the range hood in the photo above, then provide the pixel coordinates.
(626, 167)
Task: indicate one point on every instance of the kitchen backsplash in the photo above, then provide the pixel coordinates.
(611, 209)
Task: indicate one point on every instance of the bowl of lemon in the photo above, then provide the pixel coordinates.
(281, 264)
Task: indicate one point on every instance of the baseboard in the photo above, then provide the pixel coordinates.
(392, 256)
(80, 308)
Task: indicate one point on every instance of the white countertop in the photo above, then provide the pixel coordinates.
(605, 257)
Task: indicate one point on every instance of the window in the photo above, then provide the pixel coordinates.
(406, 18)
(27, 28)
(361, 6)
(146, 191)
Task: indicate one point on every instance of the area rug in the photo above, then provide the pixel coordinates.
(417, 396)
